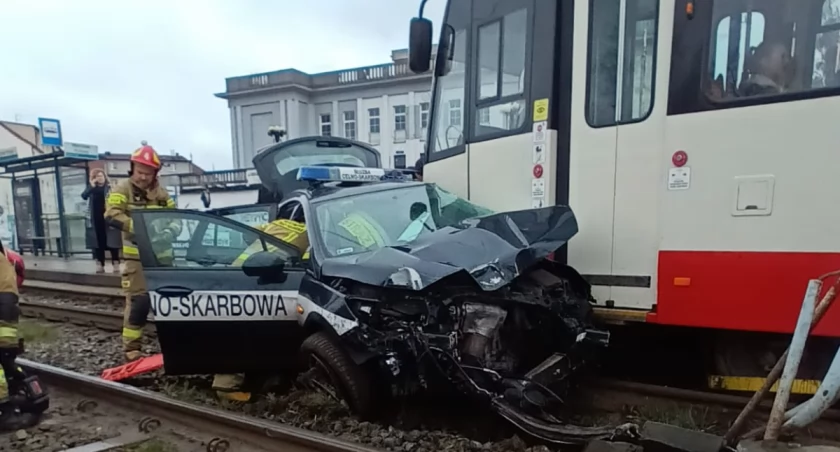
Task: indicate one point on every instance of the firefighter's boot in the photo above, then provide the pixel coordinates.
(11, 419)
(229, 387)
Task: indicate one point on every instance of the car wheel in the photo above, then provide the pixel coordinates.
(330, 370)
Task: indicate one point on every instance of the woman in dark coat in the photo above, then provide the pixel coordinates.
(100, 236)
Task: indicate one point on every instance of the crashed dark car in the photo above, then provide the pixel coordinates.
(404, 284)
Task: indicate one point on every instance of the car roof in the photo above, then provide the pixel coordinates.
(336, 190)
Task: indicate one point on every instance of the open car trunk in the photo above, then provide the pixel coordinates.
(277, 164)
(210, 316)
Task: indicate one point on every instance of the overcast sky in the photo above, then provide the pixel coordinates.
(115, 72)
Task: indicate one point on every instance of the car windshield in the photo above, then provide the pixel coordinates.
(363, 223)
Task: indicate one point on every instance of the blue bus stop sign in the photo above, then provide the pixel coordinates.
(50, 132)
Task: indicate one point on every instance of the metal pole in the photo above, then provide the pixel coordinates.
(738, 426)
(797, 347)
(62, 225)
(808, 412)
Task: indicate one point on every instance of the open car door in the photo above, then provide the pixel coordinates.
(277, 164)
(215, 310)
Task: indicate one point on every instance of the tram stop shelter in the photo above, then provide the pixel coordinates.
(50, 216)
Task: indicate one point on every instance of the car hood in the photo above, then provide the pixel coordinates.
(493, 250)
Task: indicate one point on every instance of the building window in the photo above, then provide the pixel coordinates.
(326, 125)
(620, 80)
(484, 116)
(399, 161)
(399, 118)
(455, 113)
(424, 115)
(350, 125)
(373, 117)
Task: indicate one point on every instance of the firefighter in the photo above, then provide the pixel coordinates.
(140, 191)
(10, 419)
(228, 386)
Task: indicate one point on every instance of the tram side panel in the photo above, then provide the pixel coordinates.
(760, 216)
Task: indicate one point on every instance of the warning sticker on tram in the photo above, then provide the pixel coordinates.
(226, 306)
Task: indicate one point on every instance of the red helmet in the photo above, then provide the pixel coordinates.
(146, 155)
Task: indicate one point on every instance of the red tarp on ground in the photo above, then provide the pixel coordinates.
(134, 368)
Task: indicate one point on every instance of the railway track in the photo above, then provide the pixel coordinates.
(606, 395)
(225, 429)
(105, 320)
(112, 321)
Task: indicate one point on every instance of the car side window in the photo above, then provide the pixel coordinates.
(203, 241)
(287, 210)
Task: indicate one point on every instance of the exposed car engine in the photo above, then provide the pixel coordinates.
(514, 348)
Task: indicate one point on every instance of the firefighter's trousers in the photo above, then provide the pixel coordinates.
(9, 315)
(137, 306)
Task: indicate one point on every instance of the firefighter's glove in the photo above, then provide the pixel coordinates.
(165, 236)
(7, 359)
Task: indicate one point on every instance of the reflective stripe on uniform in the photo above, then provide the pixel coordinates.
(131, 250)
(132, 334)
(7, 332)
(4, 386)
(115, 199)
(170, 204)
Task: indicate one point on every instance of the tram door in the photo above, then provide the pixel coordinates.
(493, 137)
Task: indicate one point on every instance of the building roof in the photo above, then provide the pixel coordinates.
(5, 125)
(397, 70)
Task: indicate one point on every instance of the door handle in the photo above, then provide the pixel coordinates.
(174, 291)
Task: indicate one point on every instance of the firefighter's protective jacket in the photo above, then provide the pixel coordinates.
(127, 197)
(289, 231)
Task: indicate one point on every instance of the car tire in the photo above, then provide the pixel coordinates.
(354, 384)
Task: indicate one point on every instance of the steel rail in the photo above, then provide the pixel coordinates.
(105, 320)
(223, 425)
(687, 395)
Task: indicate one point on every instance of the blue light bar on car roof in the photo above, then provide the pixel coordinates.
(340, 174)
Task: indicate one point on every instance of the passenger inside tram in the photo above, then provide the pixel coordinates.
(770, 70)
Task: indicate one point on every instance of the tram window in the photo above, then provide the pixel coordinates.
(622, 58)
(488, 60)
(827, 49)
(502, 49)
(450, 90)
(781, 49)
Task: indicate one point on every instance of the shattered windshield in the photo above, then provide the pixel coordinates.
(396, 217)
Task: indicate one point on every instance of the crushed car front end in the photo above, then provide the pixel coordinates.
(475, 301)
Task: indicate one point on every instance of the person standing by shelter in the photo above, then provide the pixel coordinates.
(140, 191)
(101, 237)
